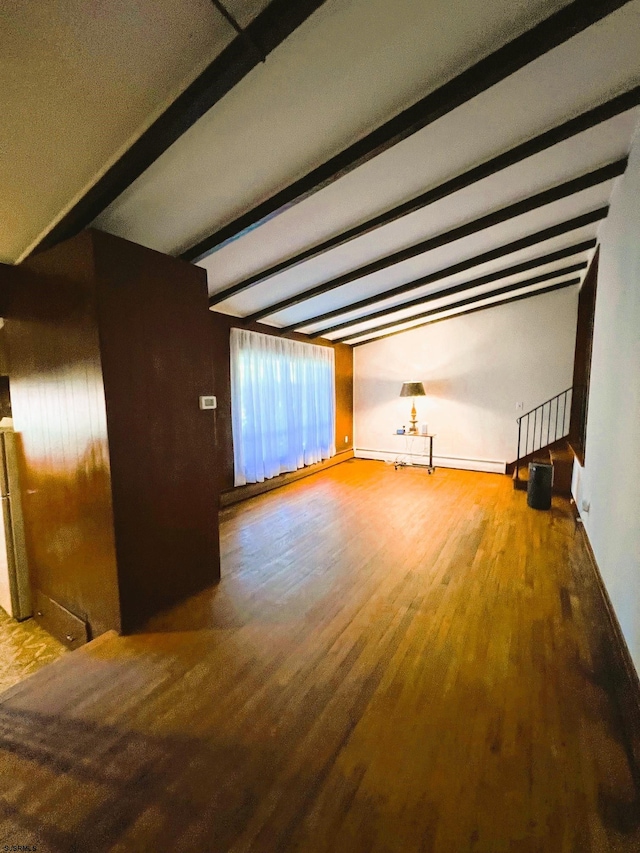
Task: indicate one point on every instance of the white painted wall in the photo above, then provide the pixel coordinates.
(475, 369)
(610, 480)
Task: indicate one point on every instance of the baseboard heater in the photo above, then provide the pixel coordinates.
(489, 466)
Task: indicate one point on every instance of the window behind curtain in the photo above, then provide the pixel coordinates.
(282, 405)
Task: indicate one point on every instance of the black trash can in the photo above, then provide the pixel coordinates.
(539, 486)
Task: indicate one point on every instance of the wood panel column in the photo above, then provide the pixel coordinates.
(109, 350)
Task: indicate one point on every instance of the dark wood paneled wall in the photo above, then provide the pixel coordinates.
(221, 325)
(59, 412)
(110, 346)
(582, 359)
(4, 349)
(157, 360)
(109, 349)
(9, 278)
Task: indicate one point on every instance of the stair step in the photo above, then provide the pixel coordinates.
(523, 471)
(520, 484)
(562, 455)
(561, 458)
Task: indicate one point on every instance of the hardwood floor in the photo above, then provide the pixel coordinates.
(393, 662)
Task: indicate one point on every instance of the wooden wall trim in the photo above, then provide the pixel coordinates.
(624, 676)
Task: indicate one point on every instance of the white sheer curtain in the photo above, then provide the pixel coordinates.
(282, 405)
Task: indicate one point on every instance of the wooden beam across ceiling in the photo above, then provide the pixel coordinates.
(268, 30)
(499, 275)
(531, 45)
(489, 220)
(253, 45)
(537, 237)
(470, 300)
(516, 298)
(535, 145)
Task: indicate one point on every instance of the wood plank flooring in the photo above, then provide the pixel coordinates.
(393, 662)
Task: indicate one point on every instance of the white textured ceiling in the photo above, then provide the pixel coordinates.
(80, 80)
(353, 65)
(571, 79)
(349, 68)
(444, 313)
(492, 267)
(437, 259)
(587, 70)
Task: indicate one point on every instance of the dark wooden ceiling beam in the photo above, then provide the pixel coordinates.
(489, 220)
(516, 298)
(546, 140)
(226, 14)
(268, 30)
(462, 266)
(470, 300)
(511, 57)
(467, 285)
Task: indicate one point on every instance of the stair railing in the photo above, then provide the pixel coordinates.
(543, 425)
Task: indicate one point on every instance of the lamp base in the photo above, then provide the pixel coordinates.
(413, 420)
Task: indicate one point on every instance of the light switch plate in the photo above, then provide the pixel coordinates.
(208, 401)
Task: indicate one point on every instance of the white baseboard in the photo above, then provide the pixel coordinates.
(489, 466)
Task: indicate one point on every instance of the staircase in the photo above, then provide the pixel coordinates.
(543, 436)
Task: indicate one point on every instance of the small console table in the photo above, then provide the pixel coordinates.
(413, 448)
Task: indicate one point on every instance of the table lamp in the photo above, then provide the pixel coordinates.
(413, 389)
